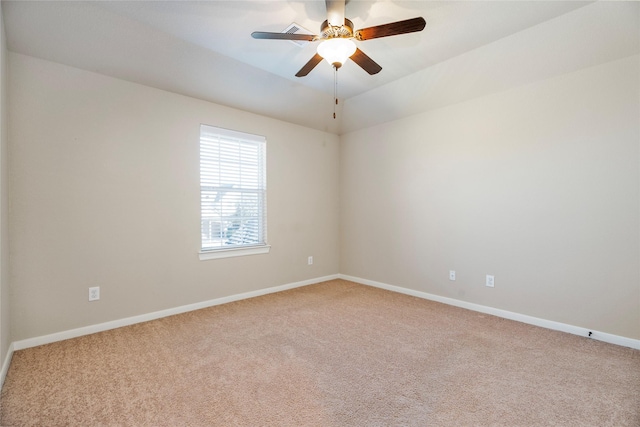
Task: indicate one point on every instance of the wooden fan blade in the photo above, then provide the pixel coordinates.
(309, 66)
(367, 64)
(392, 29)
(335, 12)
(282, 36)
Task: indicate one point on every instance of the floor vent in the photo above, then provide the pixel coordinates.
(297, 29)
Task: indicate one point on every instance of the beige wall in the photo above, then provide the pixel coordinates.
(538, 186)
(105, 192)
(5, 320)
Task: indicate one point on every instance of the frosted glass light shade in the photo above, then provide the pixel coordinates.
(336, 51)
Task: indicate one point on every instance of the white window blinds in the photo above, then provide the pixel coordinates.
(232, 189)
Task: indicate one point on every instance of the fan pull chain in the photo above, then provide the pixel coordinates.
(335, 90)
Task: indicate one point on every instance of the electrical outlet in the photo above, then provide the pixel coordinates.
(94, 293)
(310, 260)
(452, 275)
(490, 280)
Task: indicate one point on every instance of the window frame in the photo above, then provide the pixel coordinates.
(212, 132)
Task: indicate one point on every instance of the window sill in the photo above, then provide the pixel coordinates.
(228, 253)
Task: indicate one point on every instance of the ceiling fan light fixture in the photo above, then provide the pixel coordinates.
(336, 51)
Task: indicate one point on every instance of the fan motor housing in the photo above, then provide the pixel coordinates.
(331, 32)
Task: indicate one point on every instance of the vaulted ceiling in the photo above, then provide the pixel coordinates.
(204, 49)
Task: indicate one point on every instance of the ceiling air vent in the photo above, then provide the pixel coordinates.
(296, 29)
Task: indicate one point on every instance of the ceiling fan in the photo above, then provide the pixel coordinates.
(337, 36)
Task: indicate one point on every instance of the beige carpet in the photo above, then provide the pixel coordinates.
(331, 354)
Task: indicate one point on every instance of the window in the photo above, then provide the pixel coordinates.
(232, 193)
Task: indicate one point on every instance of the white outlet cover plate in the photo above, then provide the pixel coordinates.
(490, 281)
(452, 275)
(94, 293)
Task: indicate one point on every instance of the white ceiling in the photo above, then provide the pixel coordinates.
(204, 49)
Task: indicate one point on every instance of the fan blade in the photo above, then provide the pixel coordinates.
(282, 36)
(335, 12)
(392, 29)
(367, 64)
(309, 66)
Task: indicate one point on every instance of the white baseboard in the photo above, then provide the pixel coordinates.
(86, 330)
(5, 365)
(549, 324)
(536, 321)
